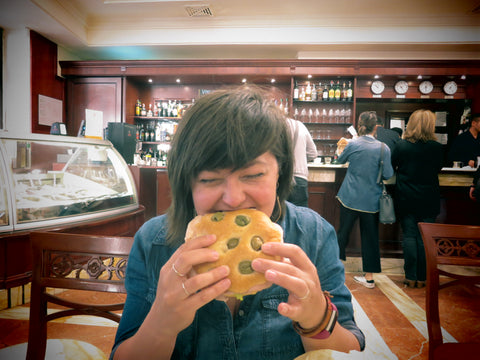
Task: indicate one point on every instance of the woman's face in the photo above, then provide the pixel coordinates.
(253, 186)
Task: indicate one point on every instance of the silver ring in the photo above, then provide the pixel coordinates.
(185, 289)
(305, 296)
(176, 271)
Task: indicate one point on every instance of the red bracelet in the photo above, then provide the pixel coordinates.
(325, 327)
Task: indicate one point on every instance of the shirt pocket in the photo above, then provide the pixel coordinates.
(279, 339)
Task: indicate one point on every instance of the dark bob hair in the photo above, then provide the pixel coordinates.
(225, 129)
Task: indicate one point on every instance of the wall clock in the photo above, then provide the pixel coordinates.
(377, 87)
(401, 87)
(450, 87)
(425, 87)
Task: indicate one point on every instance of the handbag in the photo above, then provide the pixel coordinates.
(387, 209)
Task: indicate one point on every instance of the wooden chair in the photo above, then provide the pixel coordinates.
(73, 261)
(448, 245)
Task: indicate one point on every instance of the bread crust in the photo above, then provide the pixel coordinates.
(240, 234)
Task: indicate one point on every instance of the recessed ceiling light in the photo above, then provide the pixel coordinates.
(150, 80)
(309, 76)
(272, 81)
(463, 77)
(376, 76)
(244, 80)
(419, 77)
(178, 80)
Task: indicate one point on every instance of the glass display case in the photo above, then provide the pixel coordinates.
(48, 180)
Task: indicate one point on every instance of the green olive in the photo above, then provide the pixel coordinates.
(218, 216)
(245, 267)
(242, 220)
(256, 242)
(232, 243)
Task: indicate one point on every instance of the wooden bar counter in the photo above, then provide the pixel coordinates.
(456, 206)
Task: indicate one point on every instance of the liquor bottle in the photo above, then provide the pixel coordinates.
(325, 92)
(308, 92)
(137, 132)
(338, 91)
(331, 91)
(344, 91)
(295, 92)
(152, 132)
(137, 108)
(285, 108)
(349, 91)
(150, 112)
(157, 131)
(142, 133)
(314, 93)
(301, 97)
(143, 112)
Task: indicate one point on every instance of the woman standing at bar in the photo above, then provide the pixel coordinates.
(417, 159)
(359, 194)
(233, 151)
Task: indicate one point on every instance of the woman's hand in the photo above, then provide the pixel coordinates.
(306, 302)
(181, 292)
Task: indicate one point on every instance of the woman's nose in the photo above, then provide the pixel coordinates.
(233, 194)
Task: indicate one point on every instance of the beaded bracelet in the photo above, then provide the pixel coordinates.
(324, 329)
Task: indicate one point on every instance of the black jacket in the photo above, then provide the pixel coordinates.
(417, 190)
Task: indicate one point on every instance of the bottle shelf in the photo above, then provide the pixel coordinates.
(156, 118)
(153, 142)
(322, 101)
(326, 123)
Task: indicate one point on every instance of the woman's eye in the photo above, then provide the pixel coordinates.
(207, 181)
(254, 176)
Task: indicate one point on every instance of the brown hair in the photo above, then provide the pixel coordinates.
(367, 121)
(420, 126)
(225, 129)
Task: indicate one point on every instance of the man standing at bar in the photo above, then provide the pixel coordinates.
(466, 146)
(387, 136)
(304, 150)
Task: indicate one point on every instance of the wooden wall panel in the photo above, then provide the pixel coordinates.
(44, 79)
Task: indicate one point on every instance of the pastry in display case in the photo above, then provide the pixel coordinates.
(58, 179)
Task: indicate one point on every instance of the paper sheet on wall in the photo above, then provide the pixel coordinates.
(93, 124)
(49, 110)
(441, 118)
(442, 138)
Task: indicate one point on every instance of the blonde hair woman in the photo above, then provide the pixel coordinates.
(417, 159)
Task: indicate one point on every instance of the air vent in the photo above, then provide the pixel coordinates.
(196, 11)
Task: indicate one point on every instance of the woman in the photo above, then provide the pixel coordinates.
(417, 159)
(359, 194)
(232, 151)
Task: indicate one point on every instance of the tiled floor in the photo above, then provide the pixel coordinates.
(391, 316)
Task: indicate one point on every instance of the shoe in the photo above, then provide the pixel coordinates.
(420, 284)
(409, 283)
(362, 281)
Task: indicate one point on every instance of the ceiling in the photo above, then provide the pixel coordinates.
(255, 29)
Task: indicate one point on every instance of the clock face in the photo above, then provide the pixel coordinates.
(450, 87)
(401, 87)
(377, 87)
(425, 87)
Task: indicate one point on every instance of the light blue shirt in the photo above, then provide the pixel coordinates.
(359, 190)
(257, 331)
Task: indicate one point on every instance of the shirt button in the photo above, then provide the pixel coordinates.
(241, 312)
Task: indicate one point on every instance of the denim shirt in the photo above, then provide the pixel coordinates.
(257, 331)
(360, 190)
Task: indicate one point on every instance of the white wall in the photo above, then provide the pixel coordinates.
(17, 112)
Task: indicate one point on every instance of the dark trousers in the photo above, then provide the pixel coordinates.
(299, 194)
(415, 265)
(368, 235)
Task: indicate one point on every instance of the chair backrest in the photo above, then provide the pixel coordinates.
(73, 261)
(447, 245)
